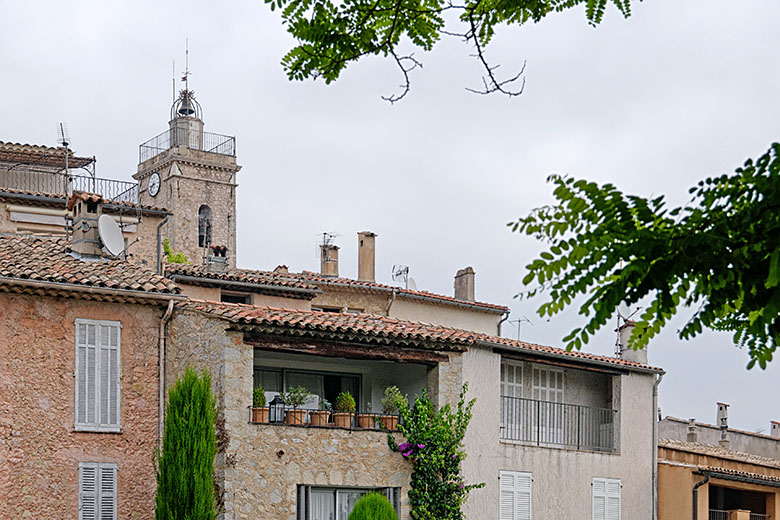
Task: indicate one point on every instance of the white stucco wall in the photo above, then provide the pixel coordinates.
(561, 477)
(445, 315)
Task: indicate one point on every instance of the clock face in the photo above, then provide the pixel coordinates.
(154, 184)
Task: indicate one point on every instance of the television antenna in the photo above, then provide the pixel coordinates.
(517, 324)
(400, 273)
(64, 140)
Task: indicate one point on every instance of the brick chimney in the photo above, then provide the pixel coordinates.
(366, 256)
(692, 431)
(630, 354)
(464, 284)
(329, 260)
(774, 429)
(86, 209)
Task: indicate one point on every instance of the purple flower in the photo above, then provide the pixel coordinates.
(461, 485)
(404, 447)
(454, 455)
(406, 453)
(421, 446)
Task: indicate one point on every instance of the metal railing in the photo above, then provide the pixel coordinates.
(191, 138)
(717, 514)
(55, 183)
(758, 516)
(545, 423)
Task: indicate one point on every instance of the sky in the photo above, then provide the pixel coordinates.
(678, 92)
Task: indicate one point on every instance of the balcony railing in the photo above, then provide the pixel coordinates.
(191, 138)
(57, 184)
(289, 416)
(546, 423)
(757, 516)
(719, 514)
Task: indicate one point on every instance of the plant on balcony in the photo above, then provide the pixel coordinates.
(373, 506)
(173, 257)
(345, 407)
(434, 447)
(295, 397)
(321, 417)
(390, 404)
(259, 411)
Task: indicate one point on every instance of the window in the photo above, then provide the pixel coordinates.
(97, 491)
(204, 226)
(97, 375)
(515, 495)
(315, 503)
(511, 394)
(229, 297)
(547, 388)
(320, 384)
(606, 498)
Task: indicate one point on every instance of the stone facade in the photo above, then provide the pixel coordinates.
(39, 449)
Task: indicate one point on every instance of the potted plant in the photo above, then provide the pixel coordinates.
(390, 406)
(259, 411)
(295, 397)
(321, 417)
(345, 407)
(367, 419)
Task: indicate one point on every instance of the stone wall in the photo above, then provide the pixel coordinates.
(39, 449)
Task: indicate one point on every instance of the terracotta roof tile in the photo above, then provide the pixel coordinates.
(740, 474)
(383, 327)
(272, 278)
(49, 259)
(40, 155)
(718, 451)
(59, 200)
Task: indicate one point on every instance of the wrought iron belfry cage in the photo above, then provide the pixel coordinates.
(186, 105)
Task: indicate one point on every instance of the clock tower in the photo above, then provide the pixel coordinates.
(192, 174)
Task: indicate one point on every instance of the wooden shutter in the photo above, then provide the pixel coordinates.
(97, 375)
(514, 495)
(393, 495)
(606, 499)
(107, 492)
(88, 491)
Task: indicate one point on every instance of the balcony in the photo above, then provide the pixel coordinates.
(189, 137)
(57, 184)
(720, 514)
(283, 415)
(545, 423)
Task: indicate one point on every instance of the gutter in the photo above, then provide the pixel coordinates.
(392, 300)
(569, 358)
(218, 281)
(655, 445)
(159, 244)
(35, 284)
(161, 358)
(695, 494)
(502, 320)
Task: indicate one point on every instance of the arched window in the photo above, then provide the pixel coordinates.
(204, 226)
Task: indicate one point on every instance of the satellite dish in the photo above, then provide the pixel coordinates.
(111, 235)
(411, 284)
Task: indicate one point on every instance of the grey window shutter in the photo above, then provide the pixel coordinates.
(91, 377)
(88, 491)
(81, 373)
(107, 492)
(104, 389)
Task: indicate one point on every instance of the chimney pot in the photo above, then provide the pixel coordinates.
(630, 354)
(366, 256)
(723, 416)
(87, 209)
(464, 284)
(692, 431)
(281, 269)
(774, 429)
(329, 260)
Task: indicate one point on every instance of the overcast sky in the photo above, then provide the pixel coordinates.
(680, 91)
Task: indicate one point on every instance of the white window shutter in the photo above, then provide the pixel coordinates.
(514, 495)
(507, 495)
(107, 492)
(88, 491)
(599, 499)
(81, 373)
(523, 496)
(104, 389)
(613, 499)
(98, 374)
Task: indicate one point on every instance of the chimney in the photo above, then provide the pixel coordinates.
(329, 260)
(630, 354)
(774, 429)
(692, 431)
(723, 416)
(86, 209)
(366, 256)
(281, 269)
(464, 284)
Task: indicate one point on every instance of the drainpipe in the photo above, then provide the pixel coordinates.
(696, 495)
(159, 243)
(504, 317)
(655, 446)
(392, 299)
(161, 357)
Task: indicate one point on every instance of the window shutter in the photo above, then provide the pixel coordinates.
(507, 495)
(523, 496)
(97, 375)
(113, 375)
(107, 492)
(88, 475)
(613, 499)
(606, 499)
(81, 373)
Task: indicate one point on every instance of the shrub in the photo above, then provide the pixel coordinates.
(373, 506)
(325, 405)
(295, 396)
(185, 486)
(391, 400)
(173, 257)
(258, 397)
(345, 402)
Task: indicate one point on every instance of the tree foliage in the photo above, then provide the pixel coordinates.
(185, 488)
(434, 446)
(373, 506)
(333, 33)
(719, 254)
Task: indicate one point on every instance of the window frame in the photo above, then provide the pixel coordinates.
(285, 371)
(304, 491)
(607, 495)
(97, 426)
(98, 467)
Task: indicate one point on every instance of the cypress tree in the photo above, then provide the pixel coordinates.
(185, 486)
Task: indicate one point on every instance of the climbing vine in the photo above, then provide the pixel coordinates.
(434, 447)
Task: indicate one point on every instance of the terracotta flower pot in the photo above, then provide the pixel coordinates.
(295, 416)
(367, 420)
(342, 419)
(319, 417)
(260, 415)
(389, 422)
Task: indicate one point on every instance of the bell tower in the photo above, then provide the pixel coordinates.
(192, 174)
